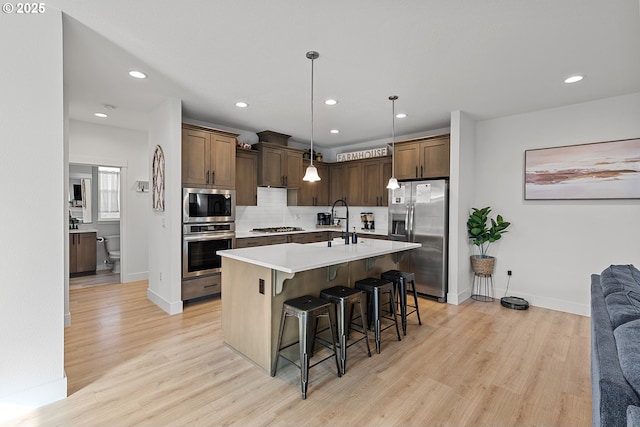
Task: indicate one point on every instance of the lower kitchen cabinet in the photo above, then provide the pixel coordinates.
(201, 286)
(82, 253)
(311, 237)
(317, 236)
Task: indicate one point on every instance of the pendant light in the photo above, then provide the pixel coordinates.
(312, 173)
(393, 182)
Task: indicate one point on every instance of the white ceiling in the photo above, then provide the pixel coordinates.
(489, 58)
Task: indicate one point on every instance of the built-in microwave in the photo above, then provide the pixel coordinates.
(208, 205)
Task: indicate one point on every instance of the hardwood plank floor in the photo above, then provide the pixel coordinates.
(478, 364)
(102, 277)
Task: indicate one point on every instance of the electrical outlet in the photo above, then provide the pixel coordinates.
(161, 276)
(261, 286)
(508, 272)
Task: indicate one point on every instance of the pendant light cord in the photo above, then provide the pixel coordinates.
(312, 154)
(393, 134)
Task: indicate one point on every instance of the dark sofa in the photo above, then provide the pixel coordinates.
(615, 346)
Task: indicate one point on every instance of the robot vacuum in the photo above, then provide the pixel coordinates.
(514, 303)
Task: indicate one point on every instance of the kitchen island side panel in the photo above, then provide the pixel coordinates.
(247, 313)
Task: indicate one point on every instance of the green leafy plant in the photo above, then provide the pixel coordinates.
(480, 232)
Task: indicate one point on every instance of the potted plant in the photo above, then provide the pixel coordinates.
(482, 236)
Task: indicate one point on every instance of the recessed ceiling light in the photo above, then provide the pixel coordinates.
(574, 79)
(334, 131)
(137, 74)
(401, 116)
(241, 104)
(331, 102)
(101, 115)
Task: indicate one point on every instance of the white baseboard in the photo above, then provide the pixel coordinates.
(550, 303)
(17, 404)
(168, 307)
(457, 299)
(135, 277)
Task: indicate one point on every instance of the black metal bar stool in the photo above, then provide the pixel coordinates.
(402, 279)
(307, 309)
(343, 300)
(374, 289)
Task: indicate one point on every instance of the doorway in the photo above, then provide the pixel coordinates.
(97, 207)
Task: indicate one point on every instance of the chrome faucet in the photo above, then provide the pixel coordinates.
(346, 230)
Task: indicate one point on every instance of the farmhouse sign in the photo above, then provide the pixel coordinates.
(363, 154)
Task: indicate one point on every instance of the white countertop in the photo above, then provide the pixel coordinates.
(296, 257)
(83, 230)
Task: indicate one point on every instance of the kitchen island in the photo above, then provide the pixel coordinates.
(256, 281)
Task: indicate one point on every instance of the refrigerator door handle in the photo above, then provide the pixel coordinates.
(410, 213)
(407, 225)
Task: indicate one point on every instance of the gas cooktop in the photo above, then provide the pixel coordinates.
(283, 229)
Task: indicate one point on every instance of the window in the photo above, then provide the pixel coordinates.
(108, 194)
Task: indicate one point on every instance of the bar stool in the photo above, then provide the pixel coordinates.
(307, 309)
(343, 300)
(374, 289)
(402, 280)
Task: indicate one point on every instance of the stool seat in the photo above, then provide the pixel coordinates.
(343, 298)
(307, 309)
(402, 279)
(374, 289)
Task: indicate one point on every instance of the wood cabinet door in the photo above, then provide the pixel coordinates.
(82, 252)
(271, 167)
(223, 161)
(407, 158)
(73, 253)
(86, 252)
(322, 187)
(337, 188)
(434, 158)
(371, 182)
(353, 183)
(196, 155)
(246, 178)
(294, 172)
(385, 166)
(315, 193)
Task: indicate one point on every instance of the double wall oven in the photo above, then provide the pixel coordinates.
(208, 225)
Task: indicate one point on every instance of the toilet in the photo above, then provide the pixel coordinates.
(112, 247)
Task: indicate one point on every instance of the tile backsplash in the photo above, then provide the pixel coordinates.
(272, 211)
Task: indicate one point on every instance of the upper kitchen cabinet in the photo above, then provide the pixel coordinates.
(422, 158)
(375, 175)
(246, 177)
(346, 182)
(315, 193)
(208, 157)
(279, 166)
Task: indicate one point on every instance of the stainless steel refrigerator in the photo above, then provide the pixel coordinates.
(419, 212)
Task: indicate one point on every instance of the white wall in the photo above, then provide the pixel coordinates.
(461, 197)
(165, 228)
(112, 146)
(32, 157)
(553, 246)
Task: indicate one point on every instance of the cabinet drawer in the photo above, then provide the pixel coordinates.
(201, 286)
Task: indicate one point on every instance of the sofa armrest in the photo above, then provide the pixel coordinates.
(633, 416)
(611, 393)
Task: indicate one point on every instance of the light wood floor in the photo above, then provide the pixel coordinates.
(102, 277)
(477, 364)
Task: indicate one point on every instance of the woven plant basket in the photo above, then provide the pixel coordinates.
(482, 265)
